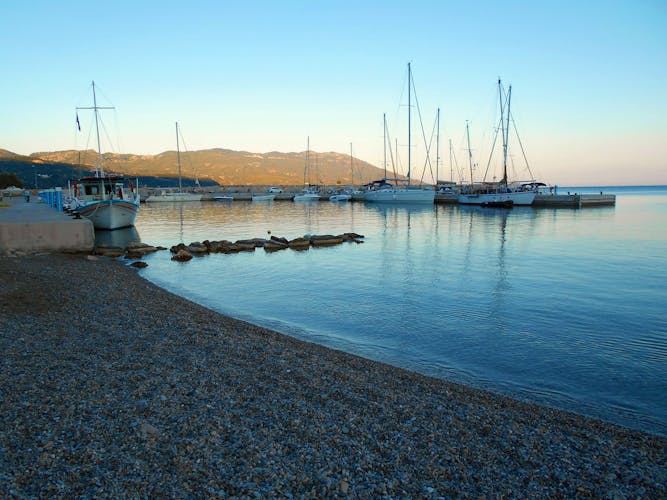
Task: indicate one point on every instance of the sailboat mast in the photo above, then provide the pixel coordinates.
(351, 168)
(409, 123)
(437, 151)
(502, 129)
(99, 171)
(178, 158)
(305, 169)
(396, 152)
(451, 164)
(469, 153)
(507, 134)
(384, 118)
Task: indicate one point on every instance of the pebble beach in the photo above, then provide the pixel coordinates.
(113, 387)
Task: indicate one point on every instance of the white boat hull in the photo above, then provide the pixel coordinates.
(263, 197)
(514, 198)
(110, 214)
(307, 197)
(340, 197)
(410, 196)
(173, 197)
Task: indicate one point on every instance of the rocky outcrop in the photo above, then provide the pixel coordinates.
(278, 239)
(257, 242)
(184, 253)
(274, 244)
(112, 252)
(352, 237)
(136, 250)
(197, 248)
(325, 240)
(133, 251)
(299, 243)
(182, 256)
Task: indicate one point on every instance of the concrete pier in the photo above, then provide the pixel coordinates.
(574, 200)
(34, 227)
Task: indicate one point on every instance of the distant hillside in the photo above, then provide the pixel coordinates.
(42, 174)
(228, 167)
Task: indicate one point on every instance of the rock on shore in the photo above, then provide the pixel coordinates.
(112, 387)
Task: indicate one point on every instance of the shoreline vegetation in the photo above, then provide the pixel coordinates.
(111, 386)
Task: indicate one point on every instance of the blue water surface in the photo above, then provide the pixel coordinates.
(563, 307)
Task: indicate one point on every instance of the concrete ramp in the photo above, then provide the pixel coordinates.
(34, 227)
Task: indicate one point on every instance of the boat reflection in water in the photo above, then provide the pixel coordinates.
(118, 238)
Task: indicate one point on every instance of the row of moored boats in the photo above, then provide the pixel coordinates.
(112, 201)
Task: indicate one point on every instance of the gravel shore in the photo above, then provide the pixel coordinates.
(113, 387)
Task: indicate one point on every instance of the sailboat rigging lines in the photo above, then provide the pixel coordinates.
(109, 201)
(382, 190)
(180, 195)
(500, 193)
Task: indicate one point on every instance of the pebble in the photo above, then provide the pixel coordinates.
(116, 388)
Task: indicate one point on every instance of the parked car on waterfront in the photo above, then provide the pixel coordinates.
(274, 190)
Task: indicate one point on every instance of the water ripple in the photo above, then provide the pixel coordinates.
(562, 307)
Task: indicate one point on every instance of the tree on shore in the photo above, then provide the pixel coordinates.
(9, 179)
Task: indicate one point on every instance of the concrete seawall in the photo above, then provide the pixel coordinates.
(34, 227)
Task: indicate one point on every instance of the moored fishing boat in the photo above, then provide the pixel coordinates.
(109, 201)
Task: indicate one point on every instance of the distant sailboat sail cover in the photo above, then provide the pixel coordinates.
(109, 201)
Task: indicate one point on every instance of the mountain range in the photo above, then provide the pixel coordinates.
(218, 166)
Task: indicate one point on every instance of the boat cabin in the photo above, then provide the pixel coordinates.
(101, 188)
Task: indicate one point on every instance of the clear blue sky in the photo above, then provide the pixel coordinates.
(589, 78)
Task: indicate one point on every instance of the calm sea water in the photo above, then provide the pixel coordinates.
(561, 307)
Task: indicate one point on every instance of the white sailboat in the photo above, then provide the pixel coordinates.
(180, 195)
(501, 193)
(383, 191)
(109, 201)
(263, 197)
(345, 194)
(310, 192)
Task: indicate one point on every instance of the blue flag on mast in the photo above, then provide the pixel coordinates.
(78, 125)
